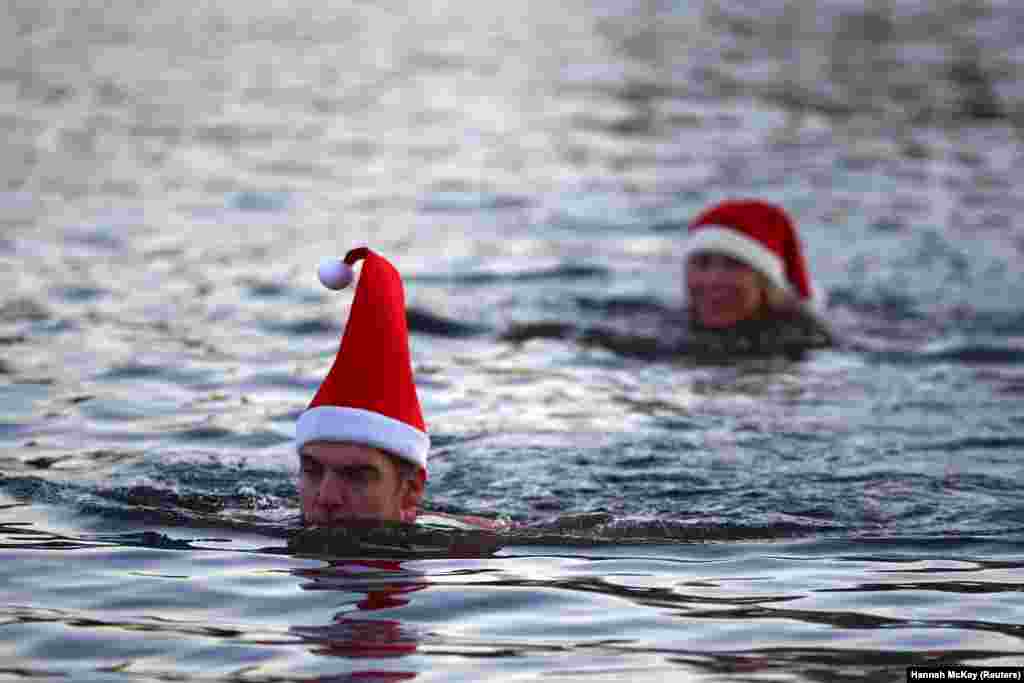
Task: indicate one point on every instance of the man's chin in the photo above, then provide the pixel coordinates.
(353, 521)
(716, 313)
(718, 322)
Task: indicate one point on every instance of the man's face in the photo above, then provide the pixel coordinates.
(343, 481)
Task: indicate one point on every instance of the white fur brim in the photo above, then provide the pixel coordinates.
(354, 425)
(742, 248)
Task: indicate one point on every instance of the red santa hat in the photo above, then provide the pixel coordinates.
(760, 235)
(369, 395)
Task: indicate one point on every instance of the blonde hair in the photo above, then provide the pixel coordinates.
(776, 298)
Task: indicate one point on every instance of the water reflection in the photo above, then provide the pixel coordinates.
(374, 585)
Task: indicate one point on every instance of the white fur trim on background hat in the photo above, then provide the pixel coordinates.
(733, 243)
(355, 425)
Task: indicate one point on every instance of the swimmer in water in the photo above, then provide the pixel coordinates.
(746, 278)
(747, 291)
(362, 441)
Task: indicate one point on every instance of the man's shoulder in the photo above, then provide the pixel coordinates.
(462, 522)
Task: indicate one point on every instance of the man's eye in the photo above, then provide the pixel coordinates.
(700, 260)
(358, 475)
(730, 263)
(311, 467)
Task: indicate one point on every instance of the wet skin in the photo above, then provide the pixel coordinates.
(343, 481)
(722, 290)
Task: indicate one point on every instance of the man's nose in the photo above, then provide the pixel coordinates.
(332, 491)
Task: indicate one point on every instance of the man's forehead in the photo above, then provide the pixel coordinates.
(343, 452)
(715, 253)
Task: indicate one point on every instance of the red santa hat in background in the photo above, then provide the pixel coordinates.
(760, 235)
(369, 395)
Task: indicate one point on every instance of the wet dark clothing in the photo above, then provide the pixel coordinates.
(653, 332)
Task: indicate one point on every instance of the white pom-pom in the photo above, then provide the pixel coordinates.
(335, 273)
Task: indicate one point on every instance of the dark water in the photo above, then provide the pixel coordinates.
(172, 174)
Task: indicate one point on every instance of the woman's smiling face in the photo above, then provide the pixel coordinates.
(722, 290)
